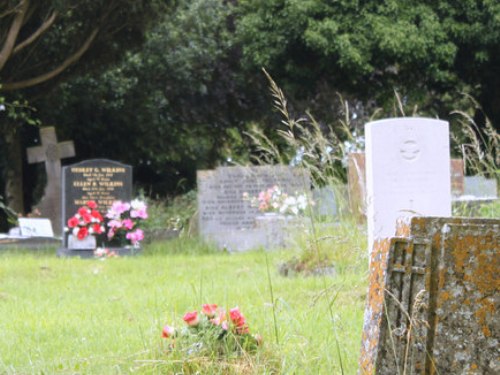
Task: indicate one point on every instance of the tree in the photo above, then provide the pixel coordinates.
(429, 50)
(40, 44)
(175, 101)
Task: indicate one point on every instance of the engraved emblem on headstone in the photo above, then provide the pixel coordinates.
(410, 150)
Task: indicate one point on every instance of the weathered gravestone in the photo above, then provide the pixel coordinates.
(356, 181)
(407, 172)
(433, 302)
(480, 187)
(457, 177)
(51, 152)
(224, 217)
(103, 181)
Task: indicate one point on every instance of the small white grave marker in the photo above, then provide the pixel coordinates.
(407, 172)
(30, 227)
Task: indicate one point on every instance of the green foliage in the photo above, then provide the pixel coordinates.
(175, 101)
(304, 142)
(174, 213)
(479, 147)
(10, 214)
(427, 50)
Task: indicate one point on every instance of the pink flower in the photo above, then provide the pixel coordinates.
(72, 222)
(92, 205)
(96, 215)
(220, 319)
(237, 317)
(115, 224)
(86, 217)
(116, 209)
(209, 310)
(128, 224)
(167, 332)
(191, 318)
(96, 228)
(141, 214)
(135, 237)
(82, 233)
(239, 321)
(83, 211)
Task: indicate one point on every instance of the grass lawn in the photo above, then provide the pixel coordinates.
(105, 317)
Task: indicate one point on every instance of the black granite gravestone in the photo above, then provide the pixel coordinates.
(103, 181)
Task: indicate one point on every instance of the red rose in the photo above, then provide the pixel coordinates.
(83, 211)
(168, 332)
(97, 228)
(239, 321)
(96, 215)
(92, 204)
(72, 222)
(209, 310)
(82, 233)
(191, 318)
(237, 317)
(86, 218)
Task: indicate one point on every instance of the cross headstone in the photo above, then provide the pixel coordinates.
(433, 302)
(407, 172)
(51, 152)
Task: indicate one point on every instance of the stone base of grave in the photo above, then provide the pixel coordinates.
(270, 232)
(32, 243)
(89, 253)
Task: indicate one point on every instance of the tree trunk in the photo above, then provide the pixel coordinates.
(14, 169)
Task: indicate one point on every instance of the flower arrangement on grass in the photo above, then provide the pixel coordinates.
(123, 221)
(274, 199)
(103, 253)
(210, 332)
(87, 221)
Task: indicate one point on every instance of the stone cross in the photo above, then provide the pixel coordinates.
(51, 153)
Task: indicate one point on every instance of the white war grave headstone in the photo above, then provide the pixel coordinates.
(407, 172)
(51, 152)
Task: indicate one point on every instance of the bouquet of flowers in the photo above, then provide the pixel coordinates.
(87, 221)
(123, 220)
(210, 332)
(274, 199)
(103, 253)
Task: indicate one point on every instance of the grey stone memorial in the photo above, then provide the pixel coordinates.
(103, 181)
(480, 187)
(51, 152)
(224, 217)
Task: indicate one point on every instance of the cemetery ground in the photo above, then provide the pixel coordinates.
(73, 315)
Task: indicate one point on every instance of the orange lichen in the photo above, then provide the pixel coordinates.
(445, 296)
(375, 302)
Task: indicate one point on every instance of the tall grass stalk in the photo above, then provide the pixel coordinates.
(480, 148)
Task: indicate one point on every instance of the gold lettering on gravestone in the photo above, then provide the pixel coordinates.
(98, 184)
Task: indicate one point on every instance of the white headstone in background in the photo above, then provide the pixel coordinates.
(480, 187)
(35, 227)
(407, 172)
